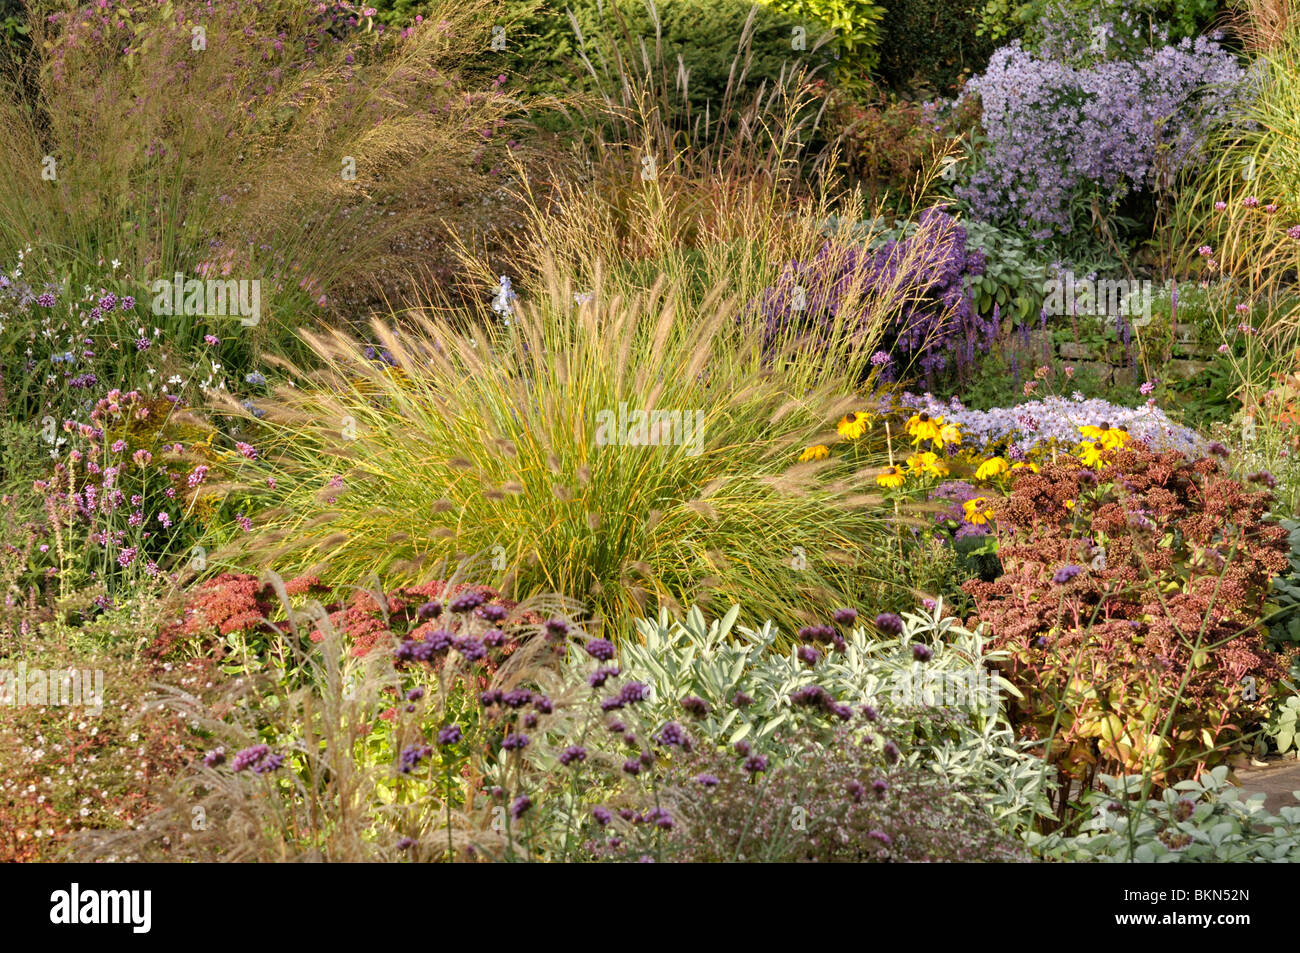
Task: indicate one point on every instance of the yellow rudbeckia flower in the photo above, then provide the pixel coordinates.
(922, 427)
(852, 425)
(819, 452)
(1025, 465)
(948, 433)
(1069, 504)
(978, 511)
(1090, 454)
(1114, 438)
(990, 468)
(1093, 431)
(927, 463)
(892, 478)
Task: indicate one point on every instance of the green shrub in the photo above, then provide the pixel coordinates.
(856, 27)
(931, 43)
(1005, 19)
(543, 49)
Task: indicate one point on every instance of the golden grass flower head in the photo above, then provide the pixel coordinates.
(853, 425)
(992, 467)
(978, 511)
(892, 478)
(818, 452)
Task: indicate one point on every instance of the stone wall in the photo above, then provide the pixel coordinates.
(1109, 362)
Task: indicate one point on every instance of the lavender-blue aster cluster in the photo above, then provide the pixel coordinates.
(1017, 431)
(924, 274)
(1058, 127)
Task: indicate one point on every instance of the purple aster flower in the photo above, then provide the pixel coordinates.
(634, 692)
(411, 757)
(889, 622)
(1065, 574)
(467, 602)
(672, 734)
(602, 675)
(249, 757)
(695, 705)
(600, 649)
(573, 754)
(449, 735)
(472, 649)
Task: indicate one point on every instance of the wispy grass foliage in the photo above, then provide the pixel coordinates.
(454, 441)
(220, 140)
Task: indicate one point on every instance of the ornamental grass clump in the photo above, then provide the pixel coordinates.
(1130, 603)
(274, 141)
(628, 452)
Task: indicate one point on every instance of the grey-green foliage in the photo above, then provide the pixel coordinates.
(1284, 724)
(1205, 821)
(1284, 594)
(970, 745)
